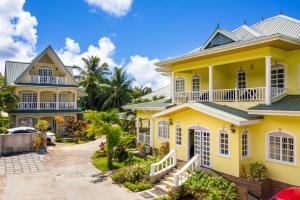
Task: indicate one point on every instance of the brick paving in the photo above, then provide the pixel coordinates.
(21, 163)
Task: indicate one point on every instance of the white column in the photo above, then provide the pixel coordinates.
(75, 100)
(38, 96)
(173, 87)
(268, 92)
(57, 100)
(151, 133)
(137, 130)
(210, 86)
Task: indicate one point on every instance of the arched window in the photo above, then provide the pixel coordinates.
(179, 84)
(178, 135)
(278, 76)
(196, 82)
(245, 143)
(281, 147)
(224, 143)
(241, 79)
(163, 129)
(45, 71)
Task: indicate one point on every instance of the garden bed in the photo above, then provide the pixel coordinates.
(70, 140)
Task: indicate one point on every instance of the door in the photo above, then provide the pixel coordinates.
(202, 146)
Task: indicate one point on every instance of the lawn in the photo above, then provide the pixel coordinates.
(69, 140)
(101, 162)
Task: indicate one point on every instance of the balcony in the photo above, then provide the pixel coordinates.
(228, 95)
(54, 80)
(46, 106)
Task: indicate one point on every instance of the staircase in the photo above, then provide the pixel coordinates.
(167, 182)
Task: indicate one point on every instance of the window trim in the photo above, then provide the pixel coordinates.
(248, 143)
(175, 135)
(219, 142)
(45, 68)
(168, 129)
(192, 83)
(285, 85)
(237, 77)
(267, 140)
(179, 78)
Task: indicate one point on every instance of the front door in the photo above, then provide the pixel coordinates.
(202, 146)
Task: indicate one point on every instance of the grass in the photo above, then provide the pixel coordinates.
(69, 140)
(139, 186)
(101, 162)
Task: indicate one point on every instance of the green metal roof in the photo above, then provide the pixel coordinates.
(155, 105)
(13, 70)
(288, 103)
(233, 111)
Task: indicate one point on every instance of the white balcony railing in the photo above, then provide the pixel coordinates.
(144, 137)
(46, 105)
(165, 164)
(243, 94)
(47, 80)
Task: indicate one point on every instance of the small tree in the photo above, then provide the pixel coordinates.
(39, 140)
(42, 125)
(59, 120)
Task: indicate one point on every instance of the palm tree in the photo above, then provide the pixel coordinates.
(119, 90)
(140, 91)
(91, 77)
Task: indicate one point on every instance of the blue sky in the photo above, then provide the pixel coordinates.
(148, 29)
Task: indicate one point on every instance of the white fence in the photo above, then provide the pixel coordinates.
(182, 175)
(45, 105)
(165, 164)
(144, 137)
(47, 80)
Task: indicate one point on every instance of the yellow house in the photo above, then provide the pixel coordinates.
(234, 101)
(45, 87)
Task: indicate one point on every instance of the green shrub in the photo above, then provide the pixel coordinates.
(165, 197)
(138, 186)
(100, 154)
(208, 187)
(257, 171)
(164, 149)
(3, 130)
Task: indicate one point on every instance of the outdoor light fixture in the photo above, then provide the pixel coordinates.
(232, 128)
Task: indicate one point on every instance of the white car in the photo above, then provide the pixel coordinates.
(50, 136)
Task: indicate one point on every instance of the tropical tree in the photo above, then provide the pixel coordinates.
(140, 91)
(119, 90)
(91, 77)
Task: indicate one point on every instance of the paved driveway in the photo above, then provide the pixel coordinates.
(68, 175)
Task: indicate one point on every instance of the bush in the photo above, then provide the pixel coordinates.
(207, 187)
(257, 171)
(3, 130)
(164, 149)
(100, 154)
(139, 186)
(42, 125)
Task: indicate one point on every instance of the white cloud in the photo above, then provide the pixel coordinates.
(142, 69)
(18, 33)
(116, 8)
(71, 53)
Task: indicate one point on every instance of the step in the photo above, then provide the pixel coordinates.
(162, 187)
(167, 183)
(169, 178)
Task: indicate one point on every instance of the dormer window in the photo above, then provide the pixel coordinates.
(45, 71)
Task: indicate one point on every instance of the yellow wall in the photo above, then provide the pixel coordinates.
(191, 117)
(281, 172)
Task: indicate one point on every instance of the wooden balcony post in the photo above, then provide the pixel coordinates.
(137, 125)
(210, 86)
(151, 133)
(57, 100)
(268, 80)
(38, 100)
(173, 87)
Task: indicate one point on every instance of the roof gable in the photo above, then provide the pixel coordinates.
(49, 56)
(220, 37)
(13, 70)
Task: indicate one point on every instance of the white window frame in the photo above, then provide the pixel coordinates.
(179, 84)
(45, 71)
(220, 132)
(281, 134)
(196, 76)
(163, 129)
(276, 67)
(176, 136)
(28, 96)
(245, 132)
(62, 97)
(238, 81)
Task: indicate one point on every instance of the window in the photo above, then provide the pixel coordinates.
(45, 71)
(62, 97)
(195, 82)
(163, 129)
(179, 84)
(278, 76)
(281, 147)
(241, 79)
(223, 143)
(28, 97)
(245, 144)
(178, 135)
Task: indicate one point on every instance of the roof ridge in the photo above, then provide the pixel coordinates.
(11, 61)
(277, 16)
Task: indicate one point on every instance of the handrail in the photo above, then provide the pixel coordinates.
(168, 162)
(182, 175)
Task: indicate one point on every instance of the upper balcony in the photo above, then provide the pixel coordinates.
(56, 80)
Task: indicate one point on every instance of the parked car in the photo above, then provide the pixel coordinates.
(50, 136)
(290, 193)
